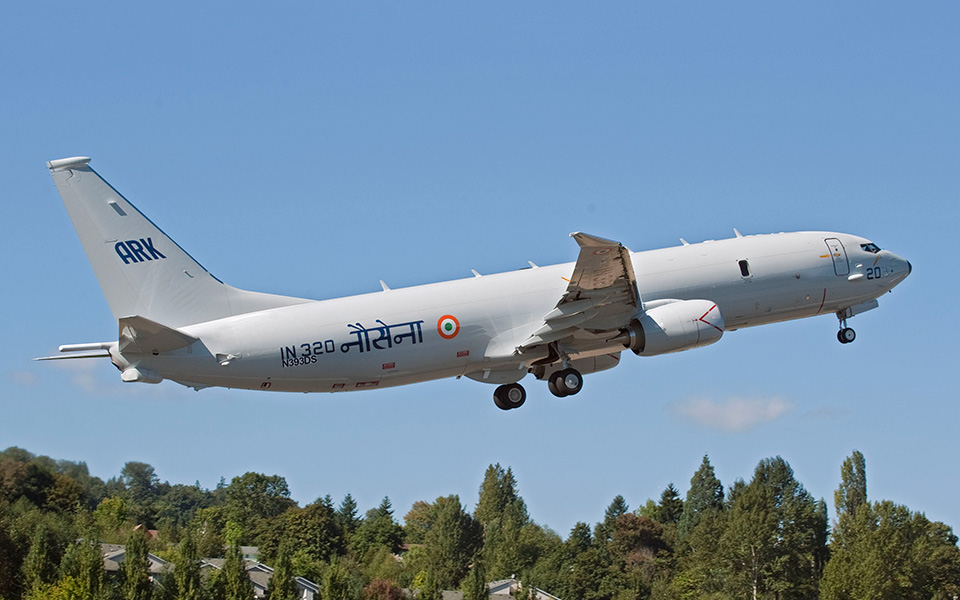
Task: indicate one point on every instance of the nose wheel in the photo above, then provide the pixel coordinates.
(846, 334)
(508, 397)
(565, 383)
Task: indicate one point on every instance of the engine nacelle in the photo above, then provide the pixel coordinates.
(674, 326)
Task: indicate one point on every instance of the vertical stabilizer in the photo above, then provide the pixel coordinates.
(141, 270)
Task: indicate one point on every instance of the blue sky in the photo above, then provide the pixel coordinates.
(312, 149)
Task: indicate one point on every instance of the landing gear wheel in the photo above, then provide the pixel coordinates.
(565, 383)
(571, 381)
(846, 335)
(510, 396)
(553, 387)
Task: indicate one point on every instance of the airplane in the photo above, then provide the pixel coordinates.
(177, 321)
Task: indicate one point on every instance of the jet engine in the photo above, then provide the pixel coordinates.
(673, 326)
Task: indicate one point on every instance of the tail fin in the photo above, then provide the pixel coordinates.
(142, 271)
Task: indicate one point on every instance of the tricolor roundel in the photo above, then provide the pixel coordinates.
(448, 327)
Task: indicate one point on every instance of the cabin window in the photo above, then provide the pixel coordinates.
(744, 268)
(871, 247)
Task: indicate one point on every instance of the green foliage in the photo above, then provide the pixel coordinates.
(136, 568)
(347, 515)
(705, 494)
(670, 507)
(283, 586)
(82, 572)
(767, 539)
(451, 543)
(236, 584)
(475, 584)
(339, 582)
(187, 572)
(884, 550)
(252, 498)
(312, 529)
(378, 529)
(852, 492)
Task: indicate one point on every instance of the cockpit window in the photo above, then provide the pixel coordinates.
(870, 247)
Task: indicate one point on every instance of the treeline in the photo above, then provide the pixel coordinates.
(762, 538)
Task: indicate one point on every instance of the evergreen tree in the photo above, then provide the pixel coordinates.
(503, 515)
(604, 529)
(670, 507)
(705, 494)
(772, 535)
(884, 550)
(40, 566)
(475, 584)
(347, 515)
(339, 584)
(136, 568)
(187, 572)
(451, 542)
(852, 492)
(236, 582)
(378, 529)
(283, 586)
(82, 564)
(498, 492)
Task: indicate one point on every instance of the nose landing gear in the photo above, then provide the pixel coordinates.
(846, 334)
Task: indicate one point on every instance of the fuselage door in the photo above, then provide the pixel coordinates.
(839, 256)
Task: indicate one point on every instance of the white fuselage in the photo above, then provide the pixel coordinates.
(473, 326)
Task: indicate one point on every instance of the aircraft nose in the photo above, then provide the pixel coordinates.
(909, 268)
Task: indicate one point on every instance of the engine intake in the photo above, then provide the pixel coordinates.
(674, 326)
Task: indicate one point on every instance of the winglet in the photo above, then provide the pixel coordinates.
(62, 164)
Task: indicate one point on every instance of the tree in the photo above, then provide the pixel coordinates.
(82, 565)
(312, 529)
(498, 492)
(236, 582)
(378, 529)
(382, 589)
(503, 514)
(475, 584)
(772, 535)
(136, 568)
(187, 572)
(40, 565)
(604, 529)
(705, 494)
(451, 542)
(140, 482)
(852, 492)
(670, 507)
(418, 521)
(347, 515)
(283, 586)
(884, 550)
(339, 583)
(252, 498)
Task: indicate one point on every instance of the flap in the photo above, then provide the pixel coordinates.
(602, 293)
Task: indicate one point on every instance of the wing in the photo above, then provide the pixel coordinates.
(602, 295)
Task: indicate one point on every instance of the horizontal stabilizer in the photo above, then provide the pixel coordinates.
(139, 335)
(73, 356)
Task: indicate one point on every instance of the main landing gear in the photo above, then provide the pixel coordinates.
(566, 382)
(509, 396)
(846, 334)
